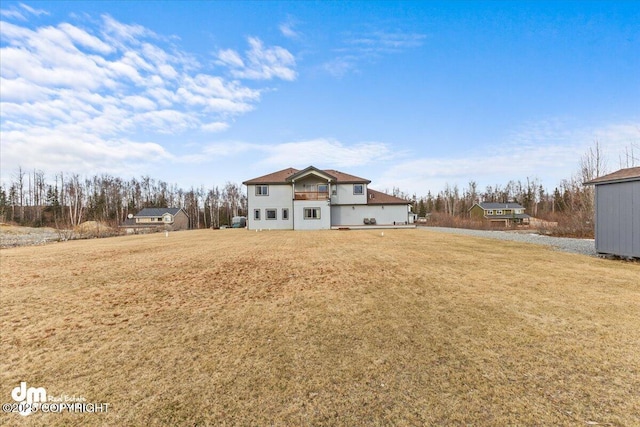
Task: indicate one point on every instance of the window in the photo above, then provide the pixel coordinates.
(270, 213)
(490, 212)
(256, 214)
(323, 188)
(262, 190)
(311, 213)
(167, 218)
(358, 189)
(285, 213)
(499, 212)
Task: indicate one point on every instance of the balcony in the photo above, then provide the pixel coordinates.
(311, 195)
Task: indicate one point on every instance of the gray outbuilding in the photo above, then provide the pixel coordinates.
(617, 212)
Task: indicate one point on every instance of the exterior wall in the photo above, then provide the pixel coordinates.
(280, 196)
(355, 214)
(618, 219)
(300, 223)
(477, 212)
(344, 195)
(180, 221)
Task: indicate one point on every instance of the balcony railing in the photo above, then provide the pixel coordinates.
(311, 195)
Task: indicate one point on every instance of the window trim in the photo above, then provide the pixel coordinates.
(499, 212)
(311, 209)
(256, 214)
(259, 191)
(361, 191)
(275, 214)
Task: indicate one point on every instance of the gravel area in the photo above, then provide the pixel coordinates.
(565, 244)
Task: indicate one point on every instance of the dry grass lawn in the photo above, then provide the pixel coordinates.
(234, 327)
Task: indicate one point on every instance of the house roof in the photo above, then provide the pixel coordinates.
(493, 205)
(628, 174)
(157, 212)
(284, 176)
(377, 198)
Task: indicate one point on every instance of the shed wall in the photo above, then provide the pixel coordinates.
(618, 219)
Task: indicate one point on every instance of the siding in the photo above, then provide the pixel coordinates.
(354, 215)
(618, 219)
(279, 197)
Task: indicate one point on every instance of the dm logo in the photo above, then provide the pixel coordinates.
(30, 396)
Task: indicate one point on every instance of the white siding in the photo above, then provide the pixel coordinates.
(355, 214)
(280, 196)
(300, 223)
(345, 195)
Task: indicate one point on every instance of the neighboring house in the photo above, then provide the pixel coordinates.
(314, 199)
(157, 218)
(617, 211)
(505, 213)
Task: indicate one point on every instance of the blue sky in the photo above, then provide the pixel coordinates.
(412, 95)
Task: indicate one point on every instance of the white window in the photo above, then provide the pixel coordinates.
(256, 214)
(311, 213)
(499, 212)
(490, 212)
(285, 213)
(167, 218)
(262, 190)
(270, 213)
(323, 188)
(358, 189)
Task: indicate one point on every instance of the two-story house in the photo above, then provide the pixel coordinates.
(506, 213)
(157, 219)
(314, 199)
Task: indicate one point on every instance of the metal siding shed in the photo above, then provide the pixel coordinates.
(618, 213)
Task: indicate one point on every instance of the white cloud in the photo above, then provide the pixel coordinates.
(21, 14)
(287, 28)
(76, 97)
(547, 150)
(215, 127)
(36, 12)
(370, 47)
(262, 63)
(328, 151)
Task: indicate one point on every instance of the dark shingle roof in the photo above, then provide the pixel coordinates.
(628, 174)
(377, 198)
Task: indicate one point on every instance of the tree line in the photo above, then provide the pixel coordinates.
(67, 200)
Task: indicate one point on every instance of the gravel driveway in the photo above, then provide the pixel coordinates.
(565, 244)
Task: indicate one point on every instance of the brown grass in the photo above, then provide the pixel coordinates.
(235, 327)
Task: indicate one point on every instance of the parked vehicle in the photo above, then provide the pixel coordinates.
(238, 222)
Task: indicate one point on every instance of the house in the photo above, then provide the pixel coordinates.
(617, 213)
(315, 199)
(149, 219)
(500, 213)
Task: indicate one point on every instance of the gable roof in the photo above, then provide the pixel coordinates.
(309, 171)
(378, 198)
(284, 177)
(493, 205)
(157, 212)
(628, 174)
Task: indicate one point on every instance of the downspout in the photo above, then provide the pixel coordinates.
(293, 204)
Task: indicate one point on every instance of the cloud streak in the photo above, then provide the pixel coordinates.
(82, 96)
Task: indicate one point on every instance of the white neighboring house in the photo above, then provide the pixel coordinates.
(315, 199)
